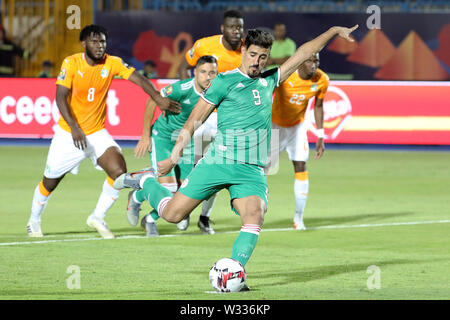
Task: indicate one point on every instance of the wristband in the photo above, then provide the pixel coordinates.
(321, 133)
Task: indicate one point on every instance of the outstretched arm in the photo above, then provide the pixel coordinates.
(306, 50)
(199, 114)
(147, 86)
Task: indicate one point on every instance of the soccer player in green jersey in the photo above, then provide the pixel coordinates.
(235, 160)
(160, 139)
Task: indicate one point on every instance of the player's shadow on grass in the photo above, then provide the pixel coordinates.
(340, 220)
(311, 274)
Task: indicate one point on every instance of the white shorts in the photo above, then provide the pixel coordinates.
(208, 129)
(63, 156)
(204, 135)
(292, 139)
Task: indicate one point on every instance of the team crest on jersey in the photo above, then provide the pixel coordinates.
(104, 73)
(191, 52)
(314, 87)
(62, 74)
(263, 82)
(168, 90)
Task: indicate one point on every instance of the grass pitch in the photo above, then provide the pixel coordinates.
(365, 208)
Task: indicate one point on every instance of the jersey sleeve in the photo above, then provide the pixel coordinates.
(66, 74)
(216, 91)
(122, 69)
(193, 54)
(323, 88)
(172, 91)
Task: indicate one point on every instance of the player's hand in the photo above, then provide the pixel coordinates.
(79, 138)
(320, 148)
(345, 32)
(169, 105)
(165, 166)
(144, 145)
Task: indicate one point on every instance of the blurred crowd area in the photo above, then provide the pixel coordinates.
(277, 6)
(36, 34)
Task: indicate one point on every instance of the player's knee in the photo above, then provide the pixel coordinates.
(254, 216)
(114, 174)
(299, 166)
(172, 217)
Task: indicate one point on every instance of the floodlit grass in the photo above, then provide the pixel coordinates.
(375, 193)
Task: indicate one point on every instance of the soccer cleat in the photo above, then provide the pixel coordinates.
(151, 230)
(245, 288)
(101, 227)
(133, 209)
(299, 225)
(205, 226)
(34, 229)
(132, 179)
(183, 224)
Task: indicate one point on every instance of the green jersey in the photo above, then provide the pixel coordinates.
(244, 115)
(169, 126)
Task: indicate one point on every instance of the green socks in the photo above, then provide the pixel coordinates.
(245, 243)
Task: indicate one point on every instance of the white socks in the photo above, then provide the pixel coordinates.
(107, 198)
(39, 202)
(207, 205)
(301, 187)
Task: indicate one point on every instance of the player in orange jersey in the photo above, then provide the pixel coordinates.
(288, 115)
(226, 48)
(82, 88)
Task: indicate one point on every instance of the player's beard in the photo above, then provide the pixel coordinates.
(93, 57)
(234, 43)
(253, 73)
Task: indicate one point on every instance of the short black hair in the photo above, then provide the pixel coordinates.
(258, 38)
(93, 29)
(205, 59)
(232, 14)
(150, 63)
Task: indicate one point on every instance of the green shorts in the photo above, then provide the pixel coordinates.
(162, 149)
(241, 180)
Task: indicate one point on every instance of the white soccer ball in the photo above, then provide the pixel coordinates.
(227, 275)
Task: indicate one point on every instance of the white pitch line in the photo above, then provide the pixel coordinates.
(228, 232)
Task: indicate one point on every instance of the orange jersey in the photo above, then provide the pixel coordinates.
(213, 46)
(292, 97)
(89, 87)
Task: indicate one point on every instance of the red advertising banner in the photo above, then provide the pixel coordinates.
(385, 112)
(379, 112)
